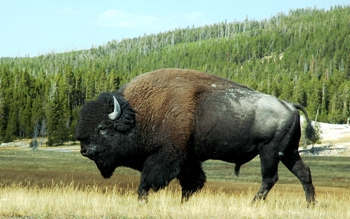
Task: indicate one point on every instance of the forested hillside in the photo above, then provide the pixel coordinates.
(302, 56)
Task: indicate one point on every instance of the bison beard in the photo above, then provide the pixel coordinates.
(106, 170)
(167, 122)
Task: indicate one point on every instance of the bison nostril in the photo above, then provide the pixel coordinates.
(83, 152)
(90, 153)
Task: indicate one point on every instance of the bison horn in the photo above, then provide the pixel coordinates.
(116, 112)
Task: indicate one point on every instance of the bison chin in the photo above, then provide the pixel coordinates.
(106, 169)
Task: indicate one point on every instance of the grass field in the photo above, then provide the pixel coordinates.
(48, 184)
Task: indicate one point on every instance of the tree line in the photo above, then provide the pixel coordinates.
(302, 56)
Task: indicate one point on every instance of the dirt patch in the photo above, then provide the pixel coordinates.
(24, 144)
(335, 141)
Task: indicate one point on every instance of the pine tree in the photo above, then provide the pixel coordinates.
(11, 129)
(60, 135)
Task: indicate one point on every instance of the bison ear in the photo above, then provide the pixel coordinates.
(116, 111)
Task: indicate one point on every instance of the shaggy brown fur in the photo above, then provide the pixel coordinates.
(149, 95)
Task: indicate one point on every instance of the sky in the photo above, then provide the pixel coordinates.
(38, 27)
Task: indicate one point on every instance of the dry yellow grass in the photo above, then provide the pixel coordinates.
(46, 184)
(70, 201)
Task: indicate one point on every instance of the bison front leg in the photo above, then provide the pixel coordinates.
(158, 170)
(192, 179)
(143, 195)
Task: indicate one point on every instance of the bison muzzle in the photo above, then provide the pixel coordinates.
(167, 122)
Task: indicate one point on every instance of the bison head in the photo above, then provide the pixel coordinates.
(104, 131)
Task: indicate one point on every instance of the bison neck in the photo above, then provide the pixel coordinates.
(132, 153)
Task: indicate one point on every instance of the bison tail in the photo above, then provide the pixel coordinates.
(310, 132)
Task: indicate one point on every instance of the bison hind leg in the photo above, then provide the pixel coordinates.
(302, 171)
(192, 179)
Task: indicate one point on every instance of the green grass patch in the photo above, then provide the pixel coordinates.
(326, 171)
(44, 167)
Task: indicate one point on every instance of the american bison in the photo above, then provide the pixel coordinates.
(165, 123)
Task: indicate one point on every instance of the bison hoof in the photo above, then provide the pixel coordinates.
(143, 200)
(311, 203)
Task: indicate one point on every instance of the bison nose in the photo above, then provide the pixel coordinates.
(87, 153)
(83, 152)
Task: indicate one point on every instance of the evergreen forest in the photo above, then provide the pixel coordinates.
(302, 57)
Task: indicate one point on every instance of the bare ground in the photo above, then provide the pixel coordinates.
(335, 141)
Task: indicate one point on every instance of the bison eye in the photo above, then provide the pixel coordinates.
(103, 131)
